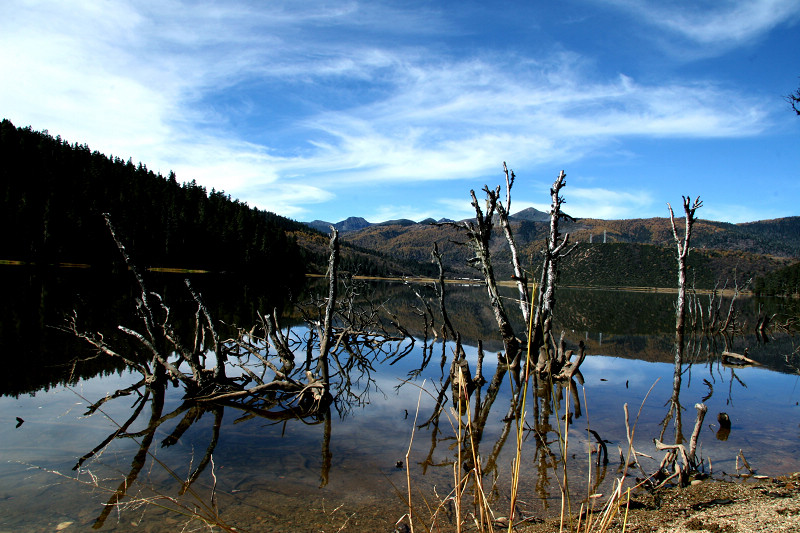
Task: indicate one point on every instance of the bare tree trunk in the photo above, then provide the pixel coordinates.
(519, 275)
(683, 254)
(325, 334)
(448, 326)
(219, 350)
(480, 234)
(689, 209)
(553, 253)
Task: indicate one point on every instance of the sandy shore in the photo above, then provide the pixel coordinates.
(771, 505)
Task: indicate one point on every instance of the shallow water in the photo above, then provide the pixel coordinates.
(341, 472)
(269, 475)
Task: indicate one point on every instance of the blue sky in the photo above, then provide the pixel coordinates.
(383, 110)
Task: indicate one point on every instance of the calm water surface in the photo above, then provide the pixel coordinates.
(341, 471)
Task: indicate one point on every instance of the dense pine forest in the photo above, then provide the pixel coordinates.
(784, 282)
(54, 195)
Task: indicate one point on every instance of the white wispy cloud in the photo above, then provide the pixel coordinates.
(164, 83)
(423, 132)
(718, 24)
(608, 204)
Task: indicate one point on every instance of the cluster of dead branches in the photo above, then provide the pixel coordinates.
(266, 371)
(713, 319)
(256, 368)
(671, 468)
(534, 352)
(544, 356)
(537, 344)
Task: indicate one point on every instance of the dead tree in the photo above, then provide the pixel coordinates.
(447, 326)
(794, 100)
(327, 324)
(519, 276)
(271, 383)
(683, 245)
(555, 251)
(669, 468)
(479, 235)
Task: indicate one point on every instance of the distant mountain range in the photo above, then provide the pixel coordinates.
(610, 253)
(353, 224)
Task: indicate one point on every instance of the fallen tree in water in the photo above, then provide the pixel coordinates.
(256, 368)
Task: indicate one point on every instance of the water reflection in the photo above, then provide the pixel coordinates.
(240, 462)
(252, 456)
(640, 326)
(38, 356)
(128, 494)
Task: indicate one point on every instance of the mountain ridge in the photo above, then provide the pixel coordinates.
(611, 252)
(531, 214)
(54, 194)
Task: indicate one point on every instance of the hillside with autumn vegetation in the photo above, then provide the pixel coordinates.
(615, 253)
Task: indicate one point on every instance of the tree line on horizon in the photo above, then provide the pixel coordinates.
(54, 195)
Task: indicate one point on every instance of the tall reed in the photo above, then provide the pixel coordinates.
(520, 420)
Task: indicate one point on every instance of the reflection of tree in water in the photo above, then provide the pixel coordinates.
(348, 333)
(345, 336)
(472, 400)
(189, 413)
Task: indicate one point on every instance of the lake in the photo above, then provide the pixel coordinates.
(346, 469)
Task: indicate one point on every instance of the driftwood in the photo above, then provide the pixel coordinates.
(669, 468)
(735, 359)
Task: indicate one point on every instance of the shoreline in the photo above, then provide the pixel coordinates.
(508, 283)
(714, 505)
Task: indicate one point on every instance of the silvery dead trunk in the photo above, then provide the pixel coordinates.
(689, 209)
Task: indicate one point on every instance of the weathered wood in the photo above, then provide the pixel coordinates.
(736, 359)
(325, 333)
(448, 326)
(683, 245)
(554, 252)
(480, 234)
(571, 368)
(701, 414)
(689, 463)
(519, 276)
(278, 385)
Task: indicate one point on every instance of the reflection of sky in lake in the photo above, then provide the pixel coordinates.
(282, 462)
(762, 405)
(272, 470)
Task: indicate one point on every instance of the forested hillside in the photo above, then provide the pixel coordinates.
(53, 196)
(783, 282)
(639, 252)
(779, 237)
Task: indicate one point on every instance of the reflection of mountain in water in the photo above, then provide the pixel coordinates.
(266, 455)
(636, 325)
(632, 325)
